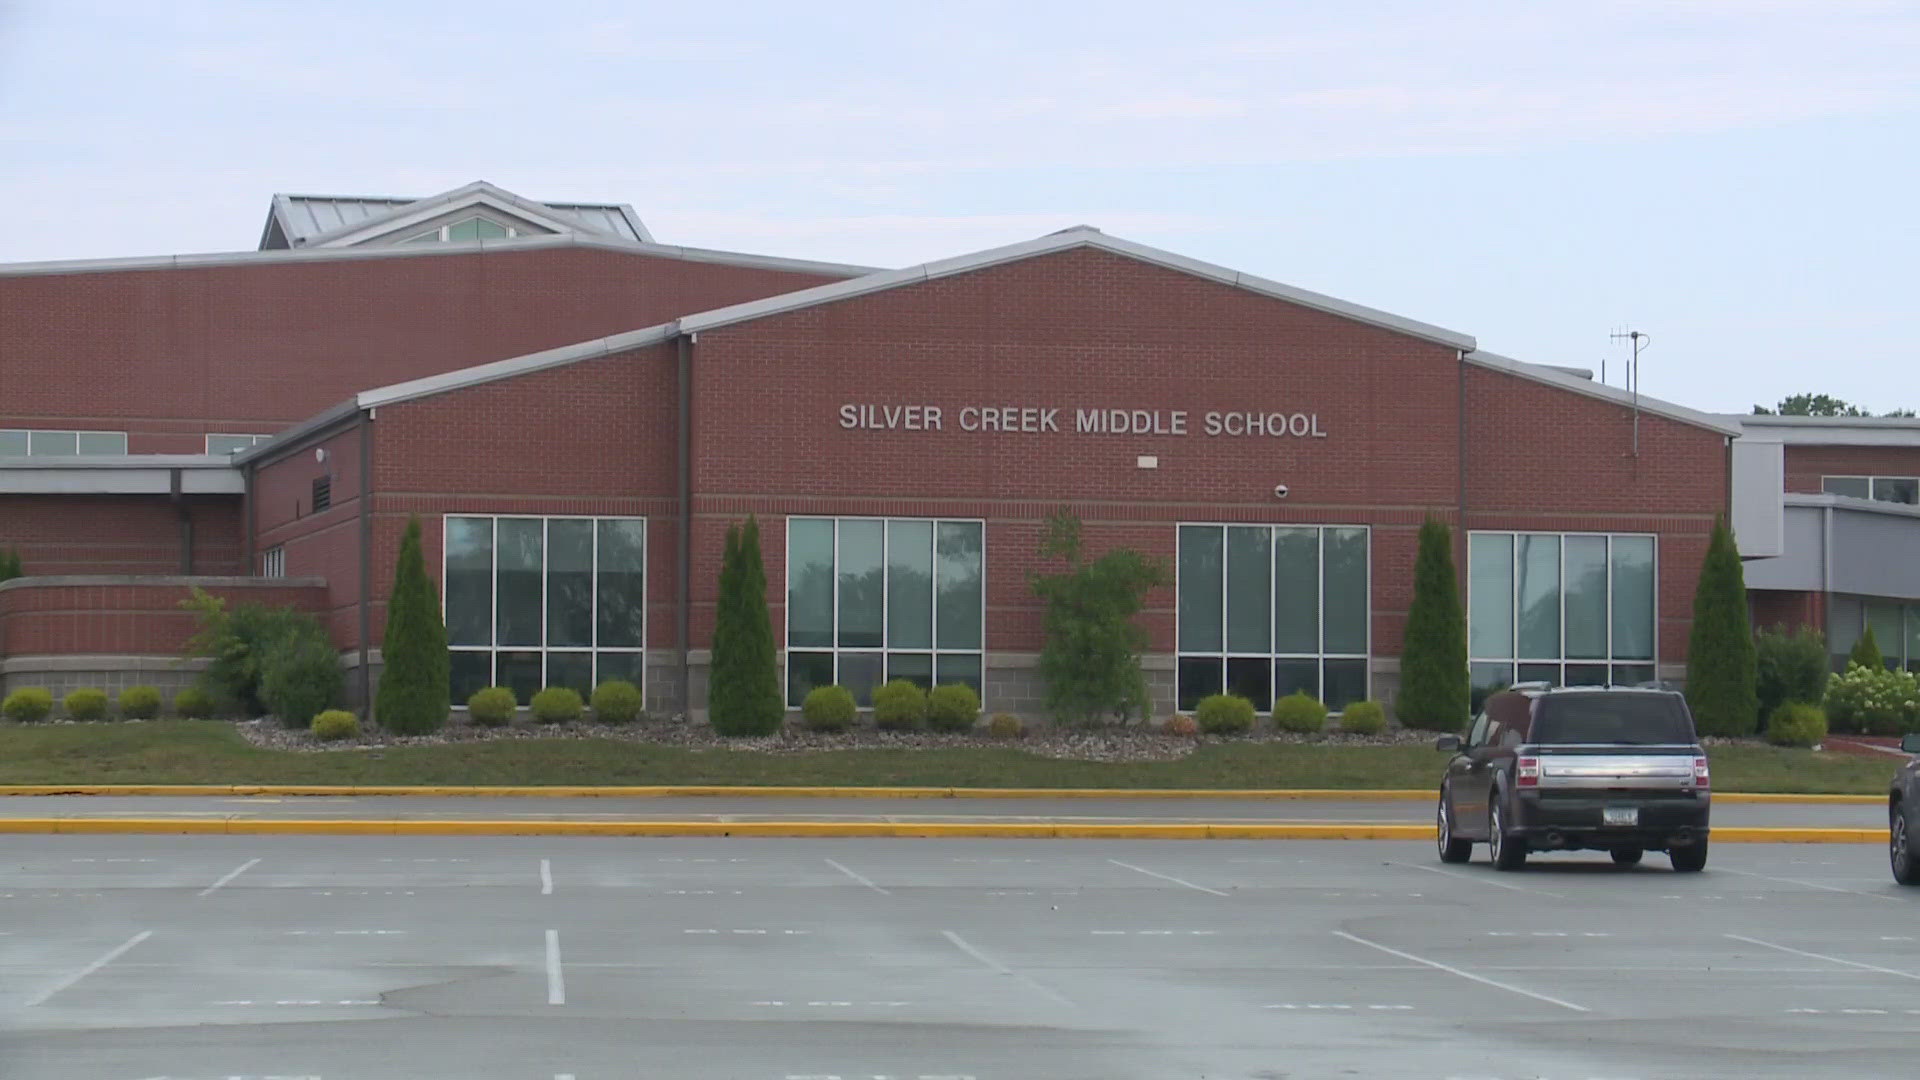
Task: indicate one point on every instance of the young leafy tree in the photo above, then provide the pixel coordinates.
(1722, 680)
(743, 684)
(1091, 660)
(416, 678)
(1866, 652)
(10, 565)
(1434, 691)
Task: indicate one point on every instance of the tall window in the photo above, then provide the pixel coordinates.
(273, 562)
(533, 602)
(1897, 489)
(35, 443)
(1570, 609)
(1267, 610)
(1896, 629)
(875, 599)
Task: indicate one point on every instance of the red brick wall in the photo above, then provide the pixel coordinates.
(1077, 329)
(172, 354)
(1805, 465)
(124, 618)
(326, 544)
(119, 534)
(1769, 608)
(1546, 459)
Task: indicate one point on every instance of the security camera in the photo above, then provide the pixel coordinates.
(1280, 491)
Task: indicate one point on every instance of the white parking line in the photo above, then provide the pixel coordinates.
(1167, 877)
(1478, 879)
(1438, 966)
(556, 984)
(1807, 884)
(1821, 956)
(546, 877)
(117, 953)
(961, 944)
(858, 878)
(241, 869)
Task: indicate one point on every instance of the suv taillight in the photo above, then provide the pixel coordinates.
(1527, 772)
(1700, 778)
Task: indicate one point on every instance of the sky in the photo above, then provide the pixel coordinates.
(1735, 179)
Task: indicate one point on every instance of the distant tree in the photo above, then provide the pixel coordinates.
(1091, 658)
(1434, 691)
(10, 565)
(1866, 652)
(743, 681)
(1811, 405)
(1722, 680)
(416, 674)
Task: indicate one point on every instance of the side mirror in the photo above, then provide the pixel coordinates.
(1910, 743)
(1451, 743)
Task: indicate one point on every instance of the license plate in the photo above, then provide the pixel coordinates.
(1620, 815)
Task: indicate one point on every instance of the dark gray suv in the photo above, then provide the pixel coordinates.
(1903, 816)
(1577, 768)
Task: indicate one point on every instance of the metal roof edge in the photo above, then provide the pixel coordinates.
(477, 192)
(1832, 430)
(283, 442)
(738, 258)
(119, 461)
(514, 366)
(639, 227)
(1551, 377)
(1845, 502)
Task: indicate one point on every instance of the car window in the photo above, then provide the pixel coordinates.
(1479, 731)
(1626, 719)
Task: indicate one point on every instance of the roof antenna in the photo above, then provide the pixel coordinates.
(1639, 341)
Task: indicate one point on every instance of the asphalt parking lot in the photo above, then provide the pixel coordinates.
(136, 957)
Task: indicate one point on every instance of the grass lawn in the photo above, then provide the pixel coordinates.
(209, 752)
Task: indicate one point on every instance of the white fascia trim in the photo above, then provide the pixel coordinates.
(426, 210)
(1832, 430)
(1592, 389)
(1063, 241)
(1845, 502)
(396, 251)
(519, 365)
(19, 477)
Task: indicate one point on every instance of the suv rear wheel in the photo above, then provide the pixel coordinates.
(1509, 852)
(1452, 848)
(1906, 868)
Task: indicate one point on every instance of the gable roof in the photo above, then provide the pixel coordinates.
(336, 220)
(1080, 236)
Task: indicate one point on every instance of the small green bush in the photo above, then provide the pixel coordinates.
(953, 707)
(27, 704)
(1788, 667)
(828, 708)
(140, 703)
(900, 705)
(1866, 651)
(493, 706)
(193, 703)
(557, 705)
(1182, 726)
(617, 701)
(300, 678)
(86, 704)
(1006, 726)
(1224, 714)
(1299, 712)
(1796, 723)
(1363, 718)
(335, 724)
(1873, 701)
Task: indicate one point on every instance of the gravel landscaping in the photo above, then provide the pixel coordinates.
(1116, 743)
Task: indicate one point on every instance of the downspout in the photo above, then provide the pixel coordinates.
(1460, 469)
(179, 500)
(366, 561)
(683, 563)
(1826, 574)
(250, 564)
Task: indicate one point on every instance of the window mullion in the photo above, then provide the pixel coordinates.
(886, 588)
(834, 642)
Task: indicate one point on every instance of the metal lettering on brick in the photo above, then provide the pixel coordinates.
(1043, 420)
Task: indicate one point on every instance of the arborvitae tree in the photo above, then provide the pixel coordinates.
(1434, 691)
(1722, 680)
(1866, 652)
(743, 684)
(1091, 659)
(10, 565)
(416, 678)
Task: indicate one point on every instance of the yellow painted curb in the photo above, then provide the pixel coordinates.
(928, 830)
(720, 791)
